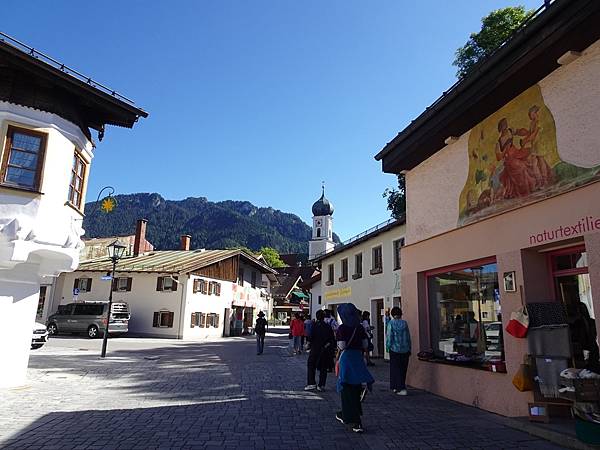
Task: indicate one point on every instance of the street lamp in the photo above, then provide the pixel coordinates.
(116, 250)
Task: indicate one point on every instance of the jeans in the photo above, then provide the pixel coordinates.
(398, 368)
(260, 343)
(313, 362)
(297, 340)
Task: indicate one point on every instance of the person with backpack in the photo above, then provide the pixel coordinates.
(261, 330)
(398, 344)
(322, 351)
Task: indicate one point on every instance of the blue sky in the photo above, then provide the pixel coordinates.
(258, 100)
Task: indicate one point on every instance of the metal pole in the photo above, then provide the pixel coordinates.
(105, 337)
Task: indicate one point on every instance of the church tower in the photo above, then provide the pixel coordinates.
(322, 229)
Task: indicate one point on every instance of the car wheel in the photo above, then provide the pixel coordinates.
(92, 331)
(53, 329)
(36, 346)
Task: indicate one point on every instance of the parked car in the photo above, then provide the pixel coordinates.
(89, 318)
(39, 336)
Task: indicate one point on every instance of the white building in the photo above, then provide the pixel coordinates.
(45, 120)
(181, 294)
(364, 270)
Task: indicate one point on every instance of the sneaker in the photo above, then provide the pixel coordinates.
(363, 394)
(320, 388)
(338, 417)
(357, 428)
(402, 392)
(395, 391)
(310, 387)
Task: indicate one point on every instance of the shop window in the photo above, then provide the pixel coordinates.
(357, 266)
(465, 318)
(163, 319)
(23, 159)
(344, 269)
(376, 260)
(330, 272)
(83, 284)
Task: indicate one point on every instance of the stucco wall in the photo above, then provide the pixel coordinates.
(572, 93)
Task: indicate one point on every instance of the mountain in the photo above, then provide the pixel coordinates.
(212, 225)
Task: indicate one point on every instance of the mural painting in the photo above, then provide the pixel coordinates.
(514, 160)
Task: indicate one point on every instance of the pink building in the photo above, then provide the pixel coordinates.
(503, 207)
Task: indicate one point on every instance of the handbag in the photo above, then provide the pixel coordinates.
(519, 320)
(523, 379)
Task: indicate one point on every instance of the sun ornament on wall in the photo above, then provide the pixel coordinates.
(108, 204)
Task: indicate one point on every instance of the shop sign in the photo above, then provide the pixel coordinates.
(338, 293)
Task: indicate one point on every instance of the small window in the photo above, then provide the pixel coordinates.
(398, 244)
(166, 284)
(198, 320)
(318, 232)
(212, 320)
(319, 299)
(357, 266)
(78, 174)
(200, 286)
(122, 284)
(330, 275)
(163, 319)
(23, 158)
(83, 284)
(344, 269)
(377, 260)
(214, 288)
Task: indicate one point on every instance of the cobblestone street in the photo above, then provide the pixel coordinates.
(220, 394)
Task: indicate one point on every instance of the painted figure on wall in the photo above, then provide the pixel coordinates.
(513, 160)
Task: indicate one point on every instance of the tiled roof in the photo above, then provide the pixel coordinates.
(286, 284)
(174, 261)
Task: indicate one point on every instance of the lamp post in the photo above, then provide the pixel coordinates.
(115, 252)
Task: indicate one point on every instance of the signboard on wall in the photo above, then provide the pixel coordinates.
(338, 293)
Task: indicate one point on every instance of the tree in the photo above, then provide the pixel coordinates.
(496, 28)
(272, 257)
(396, 198)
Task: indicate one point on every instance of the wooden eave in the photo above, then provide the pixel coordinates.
(529, 57)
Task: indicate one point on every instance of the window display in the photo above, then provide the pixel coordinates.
(465, 316)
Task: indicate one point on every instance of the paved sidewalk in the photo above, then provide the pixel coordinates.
(222, 395)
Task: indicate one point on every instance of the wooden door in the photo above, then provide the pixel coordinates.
(380, 338)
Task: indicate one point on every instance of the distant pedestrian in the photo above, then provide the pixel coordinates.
(330, 320)
(322, 351)
(352, 342)
(297, 331)
(261, 330)
(366, 323)
(308, 323)
(398, 344)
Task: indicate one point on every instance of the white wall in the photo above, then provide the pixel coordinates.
(204, 303)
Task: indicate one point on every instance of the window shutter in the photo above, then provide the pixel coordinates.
(159, 284)
(89, 284)
(170, 320)
(76, 284)
(218, 288)
(155, 319)
(195, 286)
(129, 284)
(193, 321)
(216, 322)
(174, 284)
(115, 283)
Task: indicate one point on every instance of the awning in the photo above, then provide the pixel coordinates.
(300, 294)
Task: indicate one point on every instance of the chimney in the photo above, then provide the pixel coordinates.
(139, 244)
(185, 242)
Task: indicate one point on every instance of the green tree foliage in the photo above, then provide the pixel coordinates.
(272, 257)
(396, 198)
(496, 28)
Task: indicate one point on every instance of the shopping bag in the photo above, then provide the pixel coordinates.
(518, 324)
(523, 379)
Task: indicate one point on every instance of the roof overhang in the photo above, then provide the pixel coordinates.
(527, 58)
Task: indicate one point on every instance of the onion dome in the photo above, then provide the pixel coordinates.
(322, 207)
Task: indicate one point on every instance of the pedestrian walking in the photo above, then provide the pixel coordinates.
(398, 344)
(261, 330)
(308, 323)
(352, 342)
(297, 331)
(366, 323)
(322, 351)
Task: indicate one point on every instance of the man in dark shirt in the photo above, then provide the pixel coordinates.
(322, 350)
(260, 329)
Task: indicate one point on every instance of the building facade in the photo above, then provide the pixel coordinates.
(364, 271)
(45, 120)
(502, 208)
(322, 229)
